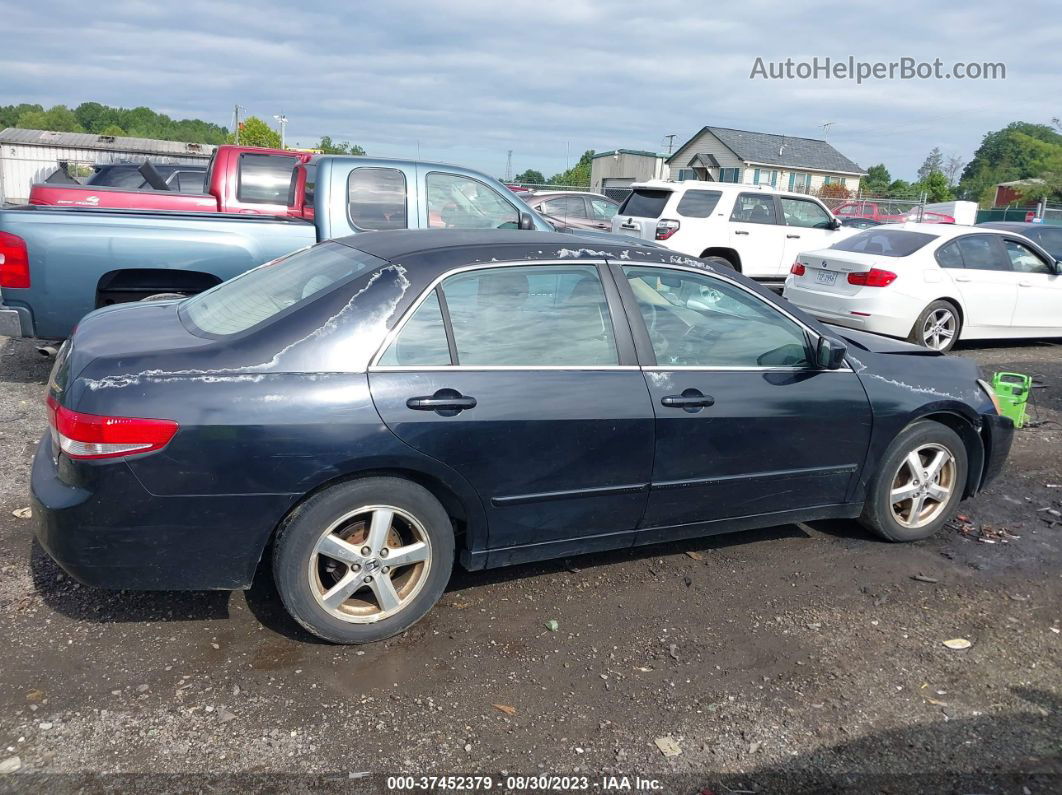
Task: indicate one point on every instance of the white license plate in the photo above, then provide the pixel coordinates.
(825, 277)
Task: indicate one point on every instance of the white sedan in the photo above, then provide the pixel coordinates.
(932, 284)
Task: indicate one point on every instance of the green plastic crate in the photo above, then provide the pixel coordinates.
(1012, 391)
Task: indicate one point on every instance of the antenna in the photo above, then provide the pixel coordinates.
(670, 142)
(509, 167)
(826, 129)
(282, 120)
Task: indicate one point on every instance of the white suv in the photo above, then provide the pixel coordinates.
(758, 230)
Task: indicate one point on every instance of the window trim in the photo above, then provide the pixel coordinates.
(405, 186)
(504, 199)
(621, 334)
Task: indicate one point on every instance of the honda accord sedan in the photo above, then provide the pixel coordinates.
(355, 415)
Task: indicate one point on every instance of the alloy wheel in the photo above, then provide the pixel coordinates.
(923, 485)
(939, 329)
(370, 564)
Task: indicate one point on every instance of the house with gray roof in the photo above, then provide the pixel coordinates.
(720, 154)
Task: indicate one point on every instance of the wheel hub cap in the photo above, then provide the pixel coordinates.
(923, 485)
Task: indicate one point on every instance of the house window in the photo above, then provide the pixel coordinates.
(765, 177)
(835, 181)
(685, 174)
(799, 181)
(730, 175)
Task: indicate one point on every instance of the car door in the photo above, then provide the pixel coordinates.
(980, 268)
(756, 234)
(808, 227)
(1038, 307)
(518, 378)
(745, 425)
(602, 211)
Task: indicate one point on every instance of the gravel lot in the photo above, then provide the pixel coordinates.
(793, 658)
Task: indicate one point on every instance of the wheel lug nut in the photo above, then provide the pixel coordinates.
(356, 567)
(385, 569)
(365, 551)
(383, 552)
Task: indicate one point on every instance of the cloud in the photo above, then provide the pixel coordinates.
(468, 80)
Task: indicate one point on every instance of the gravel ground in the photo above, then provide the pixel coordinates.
(797, 658)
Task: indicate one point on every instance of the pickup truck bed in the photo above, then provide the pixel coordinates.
(81, 259)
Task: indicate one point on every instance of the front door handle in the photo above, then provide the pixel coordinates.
(691, 400)
(1025, 284)
(963, 279)
(445, 401)
(793, 237)
(740, 232)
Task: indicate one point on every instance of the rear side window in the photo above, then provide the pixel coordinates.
(376, 198)
(645, 203)
(754, 208)
(422, 341)
(983, 253)
(268, 290)
(264, 179)
(698, 203)
(565, 207)
(886, 242)
(948, 255)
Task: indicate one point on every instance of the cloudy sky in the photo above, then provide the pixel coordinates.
(467, 80)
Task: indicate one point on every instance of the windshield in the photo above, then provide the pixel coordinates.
(885, 242)
(262, 293)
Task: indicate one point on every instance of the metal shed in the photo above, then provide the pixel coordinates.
(29, 156)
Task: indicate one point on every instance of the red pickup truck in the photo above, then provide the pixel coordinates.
(239, 179)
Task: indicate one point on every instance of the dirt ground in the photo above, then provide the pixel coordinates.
(797, 658)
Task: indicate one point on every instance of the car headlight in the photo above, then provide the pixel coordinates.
(987, 387)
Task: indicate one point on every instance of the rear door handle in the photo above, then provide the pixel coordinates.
(444, 400)
(963, 279)
(1025, 284)
(793, 237)
(740, 232)
(691, 400)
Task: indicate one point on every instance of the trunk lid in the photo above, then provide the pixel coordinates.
(640, 211)
(826, 270)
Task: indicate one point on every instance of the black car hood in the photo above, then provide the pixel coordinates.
(875, 343)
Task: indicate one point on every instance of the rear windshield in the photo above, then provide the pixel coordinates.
(645, 203)
(264, 179)
(268, 290)
(886, 242)
(698, 203)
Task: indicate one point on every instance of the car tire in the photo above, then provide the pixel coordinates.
(343, 520)
(902, 520)
(942, 315)
(722, 263)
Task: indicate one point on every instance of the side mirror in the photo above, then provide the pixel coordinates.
(836, 223)
(1058, 266)
(527, 221)
(829, 353)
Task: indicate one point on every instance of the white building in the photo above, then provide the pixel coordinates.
(720, 154)
(29, 156)
(620, 167)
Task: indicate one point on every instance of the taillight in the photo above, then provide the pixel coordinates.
(798, 269)
(665, 229)
(14, 261)
(875, 277)
(93, 436)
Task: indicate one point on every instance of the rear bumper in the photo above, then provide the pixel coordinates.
(15, 322)
(889, 314)
(113, 533)
(998, 435)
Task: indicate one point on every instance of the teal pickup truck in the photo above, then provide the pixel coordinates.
(58, 264)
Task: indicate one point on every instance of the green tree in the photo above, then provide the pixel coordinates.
(58, 118)
(10, 114)
(112, 129)
(877, 180)
(531, 177)
(936, 187)
(578, 175)
(934, 162)
(255, 132)
(900, 188)
(95, 118)
(327, 147)
(1015, 152)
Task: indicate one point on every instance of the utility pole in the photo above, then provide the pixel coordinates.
(236, 123)
(670, 142)
(826, 129)
(282, 121)
(509, 167)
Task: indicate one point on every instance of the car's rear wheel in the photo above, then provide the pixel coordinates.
(937, 327)
(364, 560)
(919, 483)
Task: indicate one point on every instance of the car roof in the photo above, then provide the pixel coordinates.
(549, 194)
(699, 184)
(479, 244)
(1013, 225)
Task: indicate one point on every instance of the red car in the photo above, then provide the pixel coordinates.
(240, 179)
(890, 212)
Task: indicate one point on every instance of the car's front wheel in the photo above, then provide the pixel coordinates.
(919, 483)
(937, 327)
(364, 560)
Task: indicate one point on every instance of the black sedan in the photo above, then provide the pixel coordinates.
(1048, 236)
(371, 408)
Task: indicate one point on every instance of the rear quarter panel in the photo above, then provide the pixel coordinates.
(70, 250)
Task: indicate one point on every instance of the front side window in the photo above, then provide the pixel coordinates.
(376, 198)
(1051, 239)
(698, 203)
(754, 208)
(259, 294)
(538, 316)
(264, 179)
(808, 214)
(695, 320)
(1024, 260)
(456, 202)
